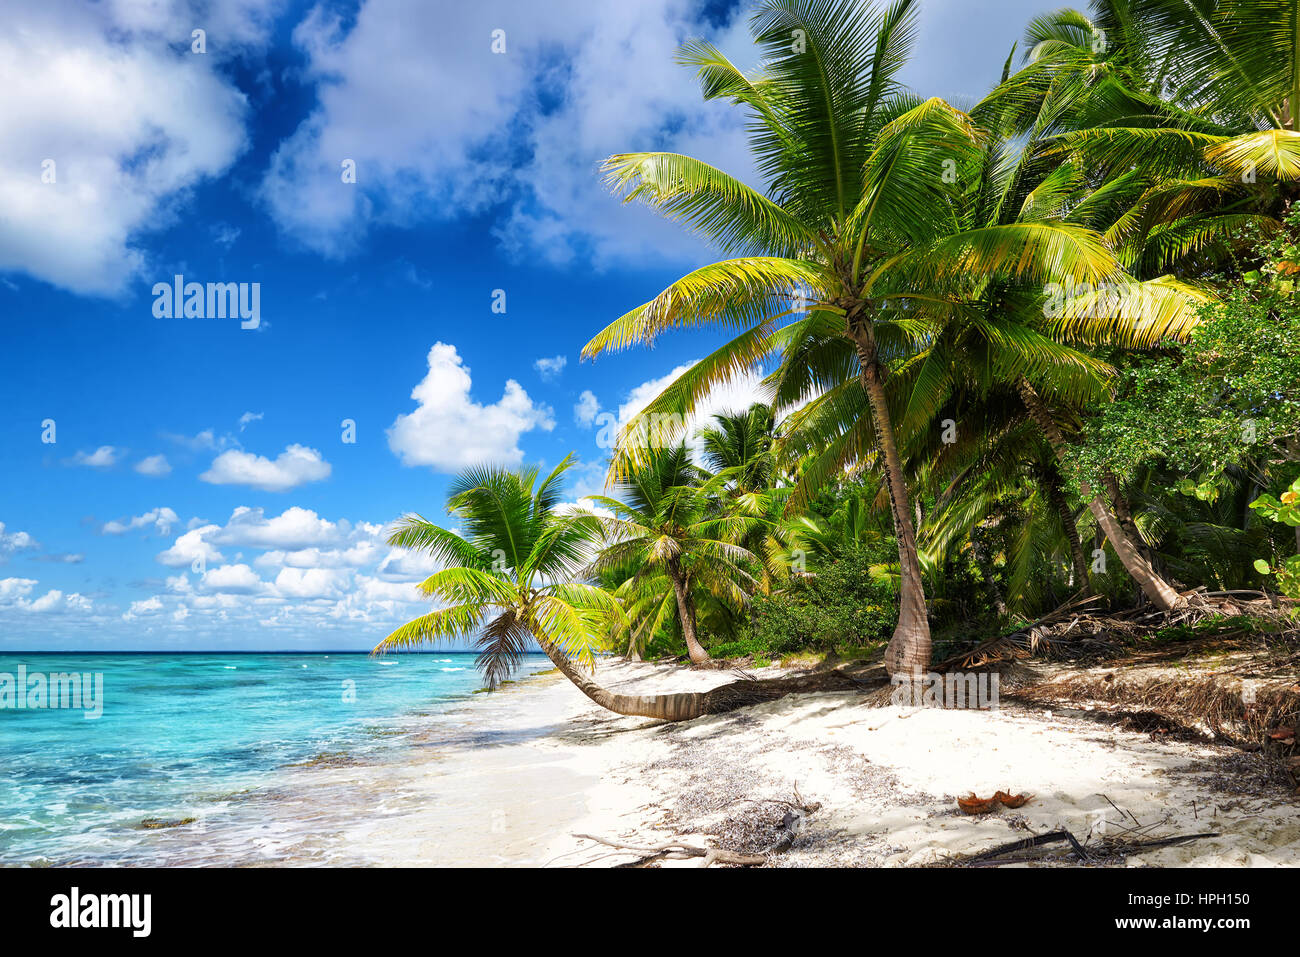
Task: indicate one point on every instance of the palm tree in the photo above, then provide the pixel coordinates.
(514, 576)
(1185, 108)
(742, 445)
(856, 235)
(669, 525)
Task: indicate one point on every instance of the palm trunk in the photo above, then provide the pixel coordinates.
(686, 612)
(1125, 516)
(990, 573)
(1056, 495)
(694, 704)
(1153, 586)
(908, 652)
(666, 707)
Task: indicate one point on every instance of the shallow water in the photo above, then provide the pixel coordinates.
(274, 756)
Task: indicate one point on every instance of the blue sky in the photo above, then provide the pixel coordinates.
(199, 491)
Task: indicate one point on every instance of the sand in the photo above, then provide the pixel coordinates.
(887, 780)
(508, 779)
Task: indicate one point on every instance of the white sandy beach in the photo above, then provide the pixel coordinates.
(510, 778)
(548, 765)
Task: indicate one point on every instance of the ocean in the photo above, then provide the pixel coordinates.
(262, 751)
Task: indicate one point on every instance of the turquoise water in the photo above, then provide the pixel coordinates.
(202, 736)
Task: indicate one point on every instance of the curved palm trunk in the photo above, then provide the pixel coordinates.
(667, 707)
(908, 652)
(694, 704)
(1056, 495)
(1124, 515)
(1153, 586)
(686, 611)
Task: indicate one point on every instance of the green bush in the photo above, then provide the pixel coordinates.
(841, 605)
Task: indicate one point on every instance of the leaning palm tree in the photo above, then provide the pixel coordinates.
(855, 236)
(514, 575)
(669, 525)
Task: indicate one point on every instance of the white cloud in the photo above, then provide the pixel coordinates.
(130, 119)
(734, 395)
(311, 583)
(295, 466)
(162, 519)
(308, 572)
(103, 457)
(402, 564)
(236, 579)
(143, 608)
(205, 441)
(13, 590)
(189, 548)
(249, 417)
(56, 602)
(578, 82)
(155, 466)
(585, 409)
(11, 542)
(449, 431)
(295, 527)
(362, 553)
(549, 368)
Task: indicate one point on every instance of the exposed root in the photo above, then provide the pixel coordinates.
(1081, 630)
(1243, 712)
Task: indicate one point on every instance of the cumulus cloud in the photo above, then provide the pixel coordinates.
(11, 542)
(14, 589)
(162, 519)
(15, 592)
(295, 527)
(295, 466)
(309, 572)
(191, 548)
(734, 395)
(236, 579)
(106, 456)
(523, 136)
(143, 608)
(54, 602)
(155, 466)
(311, 583)
(107, 121)
(449, 430)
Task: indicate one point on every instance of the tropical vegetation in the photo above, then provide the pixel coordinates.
(1041, 349)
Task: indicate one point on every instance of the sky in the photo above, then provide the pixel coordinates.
(405, 193)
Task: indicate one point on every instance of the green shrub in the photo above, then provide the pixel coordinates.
(844, 604)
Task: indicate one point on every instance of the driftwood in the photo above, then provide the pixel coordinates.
(1106, 848)
(1052, 837)
(677, 851)
(791, 825)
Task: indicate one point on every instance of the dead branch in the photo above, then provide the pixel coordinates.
(678, 851)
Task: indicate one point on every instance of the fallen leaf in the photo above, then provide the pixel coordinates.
(1281, 734)
(973, 805)
(1012, 800)
(977, 805)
